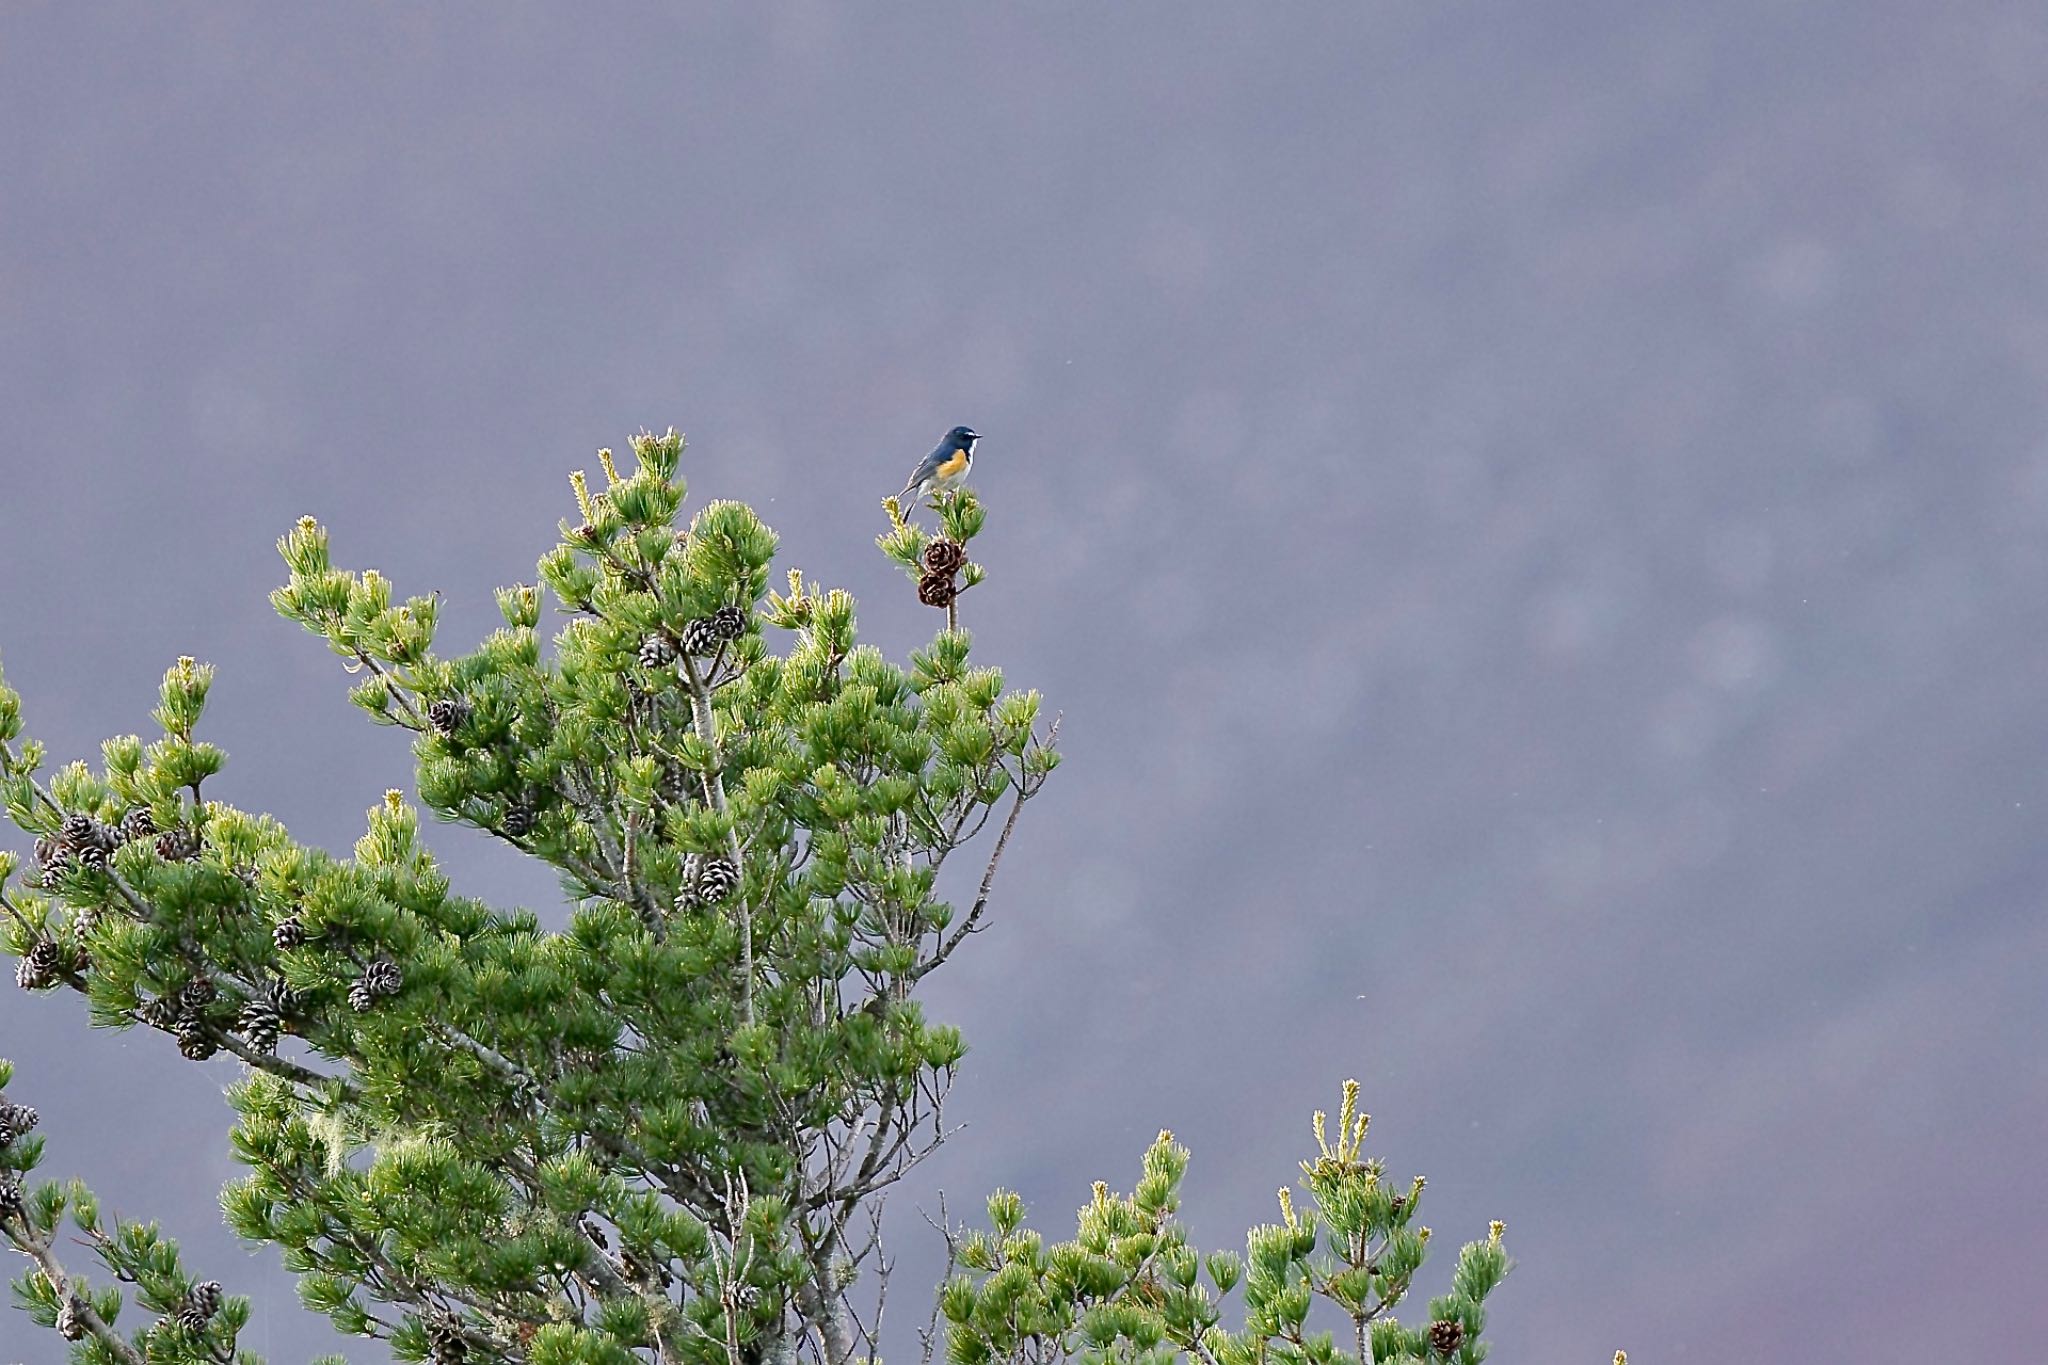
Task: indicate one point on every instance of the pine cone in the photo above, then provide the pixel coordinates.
(937, 590)
(195, 1040)
(52, 862)
(137, 824)
(728, 623)
(1446, 1335)
(71, 1319)
(197, 994)
(15, 1120)
(657, 651)
(11, 1200)
(288, 934)
(84, 841)
(178, 844)
(382, 977)
(706, 882)
(445, 1342)
(519, 818)
(716, 879)
(698, 638)
(446, 714)
(359, 998)
(164, 1012)
(38, 968)
(77, 831)
(943, 556)
(199, 1306)
(259, 1024)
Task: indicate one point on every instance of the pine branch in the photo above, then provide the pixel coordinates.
(82, 1311)
(714, 796)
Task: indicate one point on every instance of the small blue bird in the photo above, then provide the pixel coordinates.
(946, 466)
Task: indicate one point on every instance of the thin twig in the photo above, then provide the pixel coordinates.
(988, 879)
(929, 1337)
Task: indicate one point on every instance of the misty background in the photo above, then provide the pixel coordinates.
(1534, 516)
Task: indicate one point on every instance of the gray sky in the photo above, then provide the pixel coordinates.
(1534, 515)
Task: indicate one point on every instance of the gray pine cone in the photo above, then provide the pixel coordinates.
(259, 1024)
(199, 1306)
(519, 818)
(706, 882)
(382, 977)
(164, 1012)
(52, 862)
(195, 1040)
(657, 651)
(78, 830)
(16, 1120)
(97, 847)
(446, 714)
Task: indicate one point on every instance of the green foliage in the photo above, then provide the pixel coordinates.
(1130, 1287)
(654, 1130)
(646, 1130)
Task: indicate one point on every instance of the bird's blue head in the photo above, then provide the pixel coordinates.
(963, 437)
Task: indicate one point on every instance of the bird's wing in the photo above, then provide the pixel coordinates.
(927, 467)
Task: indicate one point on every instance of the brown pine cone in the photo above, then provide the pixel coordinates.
(178, 845)
(1446, 1335)
(937, 590)
(943, 556)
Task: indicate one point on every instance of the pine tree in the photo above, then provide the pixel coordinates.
(656, 1133)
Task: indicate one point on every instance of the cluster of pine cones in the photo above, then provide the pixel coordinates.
(195, 1311)
(88, 843)
(381, 979)
(700, 638)
(183, 1012)
(16, 1120)
(445, 716)
(942, 559)
(198, 1306)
